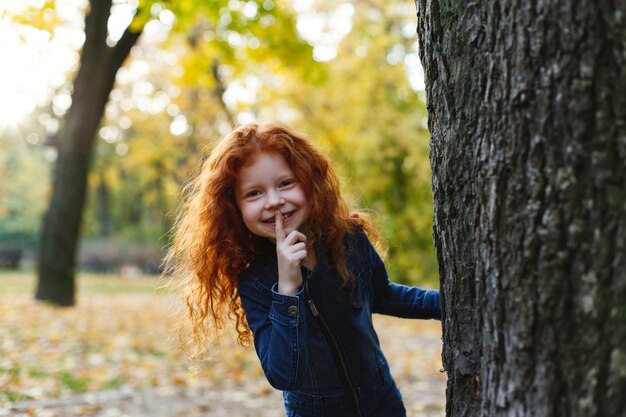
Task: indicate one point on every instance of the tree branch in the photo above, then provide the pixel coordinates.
(96, 27)
(220, 89)
(124, 45)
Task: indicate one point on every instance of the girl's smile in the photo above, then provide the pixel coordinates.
(267, 184)
(286, 218)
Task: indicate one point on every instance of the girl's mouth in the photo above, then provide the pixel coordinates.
(286, 217)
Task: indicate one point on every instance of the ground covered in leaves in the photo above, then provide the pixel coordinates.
(116, 354)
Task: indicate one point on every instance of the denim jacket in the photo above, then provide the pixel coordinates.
(319, 346)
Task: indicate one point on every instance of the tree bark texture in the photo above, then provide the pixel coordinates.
(99, 64)
(527, 112)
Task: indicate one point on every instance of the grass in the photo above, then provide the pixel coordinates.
(24, 283)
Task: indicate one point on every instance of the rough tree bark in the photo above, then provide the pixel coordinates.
(527, 112)
(99, 64)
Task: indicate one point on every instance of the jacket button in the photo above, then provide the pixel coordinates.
(292, 311)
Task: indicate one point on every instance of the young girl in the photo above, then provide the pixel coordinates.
(268, 240)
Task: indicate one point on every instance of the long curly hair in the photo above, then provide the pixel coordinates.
(211, 245)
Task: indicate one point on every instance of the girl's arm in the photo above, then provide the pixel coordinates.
(402, 300)
(397, 299)
(279, 327)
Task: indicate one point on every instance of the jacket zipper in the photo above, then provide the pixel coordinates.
(342, 362)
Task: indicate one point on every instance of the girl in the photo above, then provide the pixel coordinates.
(267, 238)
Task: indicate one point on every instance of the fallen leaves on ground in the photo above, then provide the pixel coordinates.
(121, 338)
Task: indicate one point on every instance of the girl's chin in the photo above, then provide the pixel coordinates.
(272, 234)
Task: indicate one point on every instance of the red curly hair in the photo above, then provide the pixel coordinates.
(211, 245)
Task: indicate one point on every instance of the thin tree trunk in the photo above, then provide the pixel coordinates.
(103, 206)
(61, 224)
(527, 112)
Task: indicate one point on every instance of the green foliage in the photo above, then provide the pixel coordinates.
(23, 193)
(13, 397)
(12, 371)
(73, 383)
(114, 383)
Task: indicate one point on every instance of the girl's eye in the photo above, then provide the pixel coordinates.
(286, 183)
(252, 194)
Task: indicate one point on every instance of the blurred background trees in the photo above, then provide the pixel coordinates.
(346, 73)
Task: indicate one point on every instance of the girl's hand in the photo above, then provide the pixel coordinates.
(290, 252)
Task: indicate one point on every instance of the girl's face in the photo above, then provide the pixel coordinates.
(267, 184)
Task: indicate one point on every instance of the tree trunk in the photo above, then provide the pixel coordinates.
(104, 205)
(61, 225)
(527, 112)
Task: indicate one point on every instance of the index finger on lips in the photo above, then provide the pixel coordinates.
(280, 232)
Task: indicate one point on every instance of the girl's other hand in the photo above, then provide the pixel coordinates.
(290, 252)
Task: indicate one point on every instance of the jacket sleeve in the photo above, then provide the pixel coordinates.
(396, 299)
(279, 327)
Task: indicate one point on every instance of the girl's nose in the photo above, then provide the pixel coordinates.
(273, 200)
